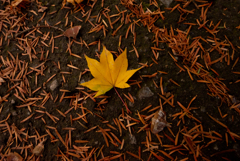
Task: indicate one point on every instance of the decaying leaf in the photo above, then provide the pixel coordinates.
(14, 157)
(15, 3)
(39, 148)
(72, 32)
(108, 73)
(159, 122)
(1, 80)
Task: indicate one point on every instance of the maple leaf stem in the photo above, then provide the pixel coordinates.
(128, 111)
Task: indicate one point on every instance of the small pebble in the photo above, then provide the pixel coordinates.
(166, 2)
(12, 101)
(53, 85)
(131, 104)
(215, 147)
(14, 113)
(132, 139)
(203, 109)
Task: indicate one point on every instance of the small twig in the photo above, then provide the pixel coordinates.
(17, 34)
(128, 111)
(57, 28)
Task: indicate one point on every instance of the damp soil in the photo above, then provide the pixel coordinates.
(227, 12)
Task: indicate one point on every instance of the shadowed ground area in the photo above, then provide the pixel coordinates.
(188, 53)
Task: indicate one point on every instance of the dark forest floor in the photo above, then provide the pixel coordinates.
(190, 55)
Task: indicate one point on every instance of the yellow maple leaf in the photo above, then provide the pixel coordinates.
(108, 73)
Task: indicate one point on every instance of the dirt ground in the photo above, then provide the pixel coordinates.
(190, 58)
